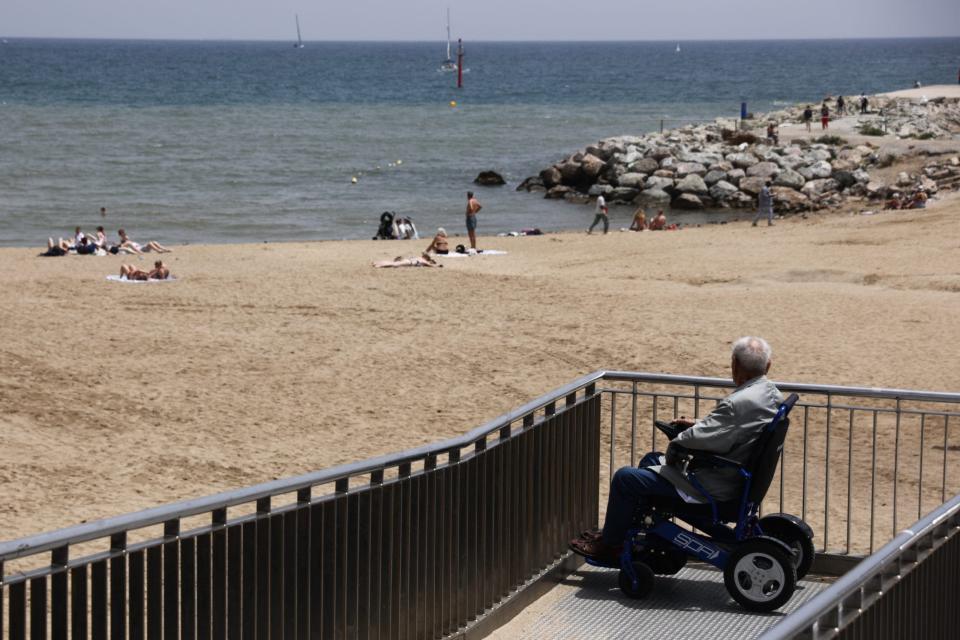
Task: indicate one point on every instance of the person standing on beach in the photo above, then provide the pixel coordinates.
(473, 206)
(864, 103)
(808, 116)
(601, 214)
(824, 116)
(764, 205)
(840, 106)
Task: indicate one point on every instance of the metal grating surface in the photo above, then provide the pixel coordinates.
(692, 604)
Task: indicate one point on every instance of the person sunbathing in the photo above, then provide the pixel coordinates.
(895, 202)
(639, 221)
(55, 249)
(659, 222)
(129, 246)
(423, 261)
(919, 200)
(439, 243)
(131, 272)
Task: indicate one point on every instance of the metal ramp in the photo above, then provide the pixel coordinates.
(692, 604)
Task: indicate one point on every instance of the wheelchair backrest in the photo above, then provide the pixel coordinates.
(766, 455)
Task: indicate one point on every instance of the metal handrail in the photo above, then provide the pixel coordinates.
(866, 579)
(39, 543)
(158, 515)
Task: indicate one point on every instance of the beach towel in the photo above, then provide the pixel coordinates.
(485, 252)
(116, 278)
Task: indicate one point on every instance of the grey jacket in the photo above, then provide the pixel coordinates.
(730, 431)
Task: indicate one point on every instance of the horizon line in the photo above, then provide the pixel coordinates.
(483, 41)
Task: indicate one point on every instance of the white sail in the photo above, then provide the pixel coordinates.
(299, 44)
(449, 64)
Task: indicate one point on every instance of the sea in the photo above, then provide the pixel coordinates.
(226, 142)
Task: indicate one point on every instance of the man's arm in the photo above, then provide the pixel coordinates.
(715, 433)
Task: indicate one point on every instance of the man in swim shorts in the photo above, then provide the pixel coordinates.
(473, 207)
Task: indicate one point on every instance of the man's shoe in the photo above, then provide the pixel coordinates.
(598, 551)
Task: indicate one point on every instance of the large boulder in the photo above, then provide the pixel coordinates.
(816, 155)
(789, 178)
(644, 165)
(659, 153)
(861, 176)
(816, 171)
(844, 178)
(742, 160)
(489, 179)
(763, 170)
(664, 173)
(876, 189)
(789, 161)
(658, 182)
(818, 188)
(722, 191)
(632, 180)
(686, 168)
(654, 196)
(714, 176)
(570, 173)
(734, 175)
(591, 166)
(669, 163)
(558, 192)
(787, 199)
(692, 184)
(551, 177)
(600, 190)
(687, 201)
(533, 183)
(601, 150)
(752, 185)
(623, 194)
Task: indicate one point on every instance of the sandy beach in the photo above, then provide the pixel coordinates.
(268, 360)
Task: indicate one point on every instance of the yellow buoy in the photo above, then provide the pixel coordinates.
(353, 180)
(399, 161)
(453, 103)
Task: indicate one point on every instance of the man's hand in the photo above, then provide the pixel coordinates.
(683, 421)
(673, 457)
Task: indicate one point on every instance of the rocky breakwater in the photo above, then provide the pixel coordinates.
(707, 166)
(714, 166)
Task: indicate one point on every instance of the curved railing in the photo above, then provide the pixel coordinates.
(447, 537)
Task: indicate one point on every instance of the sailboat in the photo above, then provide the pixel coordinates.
(678, 47)
(448, 64)
(299, 44)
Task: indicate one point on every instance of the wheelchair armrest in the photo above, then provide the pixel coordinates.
(704, 459)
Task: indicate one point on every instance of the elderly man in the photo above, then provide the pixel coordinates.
(730, 430)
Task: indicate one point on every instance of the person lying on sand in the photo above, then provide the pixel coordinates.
(54, 249)
(423, 261)
(895, 202)
(129, 246)
(439, 243)
(131, 272)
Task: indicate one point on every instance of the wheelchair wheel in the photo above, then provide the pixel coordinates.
(644, 584)
(760, 575)
(792, 536)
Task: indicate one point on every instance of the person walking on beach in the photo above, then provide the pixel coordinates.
(808, 117)
(764, 205)
(824, 116)
(841, 105)
(473, 207)
(864, 103)
(601, 214)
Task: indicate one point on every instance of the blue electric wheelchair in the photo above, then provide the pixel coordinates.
(761, 558)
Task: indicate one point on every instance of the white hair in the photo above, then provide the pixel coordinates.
(753, 355)
(441, 231)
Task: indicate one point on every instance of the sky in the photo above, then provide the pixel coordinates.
(423, 20)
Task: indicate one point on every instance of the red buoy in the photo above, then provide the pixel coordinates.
(459, 63)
